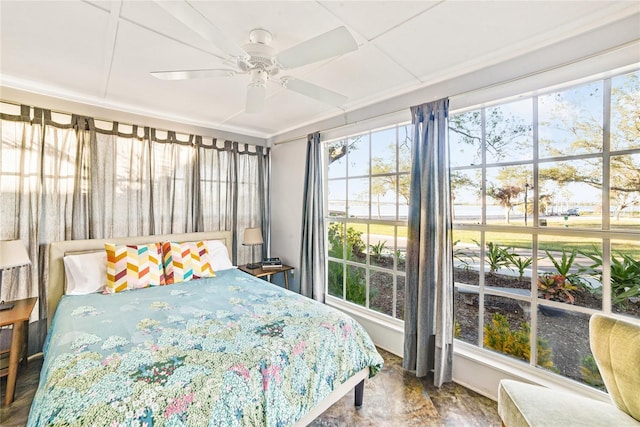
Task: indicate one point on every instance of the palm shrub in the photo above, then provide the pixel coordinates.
(376, 250)
(499, 336)
(520, 262)
(563, 266)
(497, 257)
(625, 274)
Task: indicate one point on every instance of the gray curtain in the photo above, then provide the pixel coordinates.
(234, 186)
(68, 178)
(428, 323)
(312, 250)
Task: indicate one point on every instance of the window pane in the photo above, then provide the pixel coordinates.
(625, 104)
(466, 191)
(381, 292)
(510, 195)
(563, 345)
(355, 285)
(570, 121)
(566, 271)
(466, 315)
(336, 279)
(383, 151)
(359, 198)
(358, 155)
(465, 139)
(337, 159)
(625, 191)
(508, 262)
(507, 327)
(384, 198)
(509, 135)
(466, 257)
(573, 190)
(505, 255)
(357, 242)
(381, 245)
(401, 250)
(625, 277)
(337, 197)
(405, 138)
(335, 245)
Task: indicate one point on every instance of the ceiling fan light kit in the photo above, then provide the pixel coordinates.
(258, 59)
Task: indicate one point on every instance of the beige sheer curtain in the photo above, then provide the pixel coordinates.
(67, 177)
(234, 187)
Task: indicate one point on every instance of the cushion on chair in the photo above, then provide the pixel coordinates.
(615, 345)
(521, 404)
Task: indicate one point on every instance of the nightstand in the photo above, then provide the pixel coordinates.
(268, 272)
(17, 316)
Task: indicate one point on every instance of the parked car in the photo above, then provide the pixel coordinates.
(573, 212)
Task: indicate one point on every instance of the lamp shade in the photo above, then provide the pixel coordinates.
(252, 236)
(13, 254)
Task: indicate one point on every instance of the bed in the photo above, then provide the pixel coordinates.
(227, 350)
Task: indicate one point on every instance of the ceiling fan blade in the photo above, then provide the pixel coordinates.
(194, 74)
(313, 91)
(189, 16)
(256, 94)
(333, 43)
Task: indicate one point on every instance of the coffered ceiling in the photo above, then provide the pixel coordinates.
(101, 52)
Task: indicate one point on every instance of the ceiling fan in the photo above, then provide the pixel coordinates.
(258, 59)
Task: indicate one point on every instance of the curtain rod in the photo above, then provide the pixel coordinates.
(18, 104)
(490, 86)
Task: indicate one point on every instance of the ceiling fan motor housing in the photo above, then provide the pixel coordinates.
(260, 55)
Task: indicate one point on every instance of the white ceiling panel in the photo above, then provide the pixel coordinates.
(454, 36)
(285, 110)
(153, 18)
(363, 76)
(289, 22)
(62, 44)
(372, 18)
(101, 52)
(205, 100)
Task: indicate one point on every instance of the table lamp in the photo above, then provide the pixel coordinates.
(252, 237)
(13, 254)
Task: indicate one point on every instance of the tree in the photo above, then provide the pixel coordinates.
(390, 178)
(501, 132)
(506, 196)
(585, 134)
(339, 149)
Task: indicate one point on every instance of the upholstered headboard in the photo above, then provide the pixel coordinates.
(58, 250)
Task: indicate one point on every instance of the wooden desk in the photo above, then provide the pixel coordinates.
(259, 272)
(17, 316)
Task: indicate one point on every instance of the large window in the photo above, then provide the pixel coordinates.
(546, 198)
(367, 201)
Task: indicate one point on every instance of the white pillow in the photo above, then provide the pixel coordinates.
(218, 255)
(86, 273)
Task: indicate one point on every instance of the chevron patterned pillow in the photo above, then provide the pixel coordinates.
(133, 266)
(186, 261)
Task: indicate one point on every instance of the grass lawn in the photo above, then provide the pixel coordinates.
(524, 241)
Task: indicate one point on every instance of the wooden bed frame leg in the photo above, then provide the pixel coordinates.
(359, 392)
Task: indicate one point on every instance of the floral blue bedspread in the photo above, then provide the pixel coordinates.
(227, 351)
